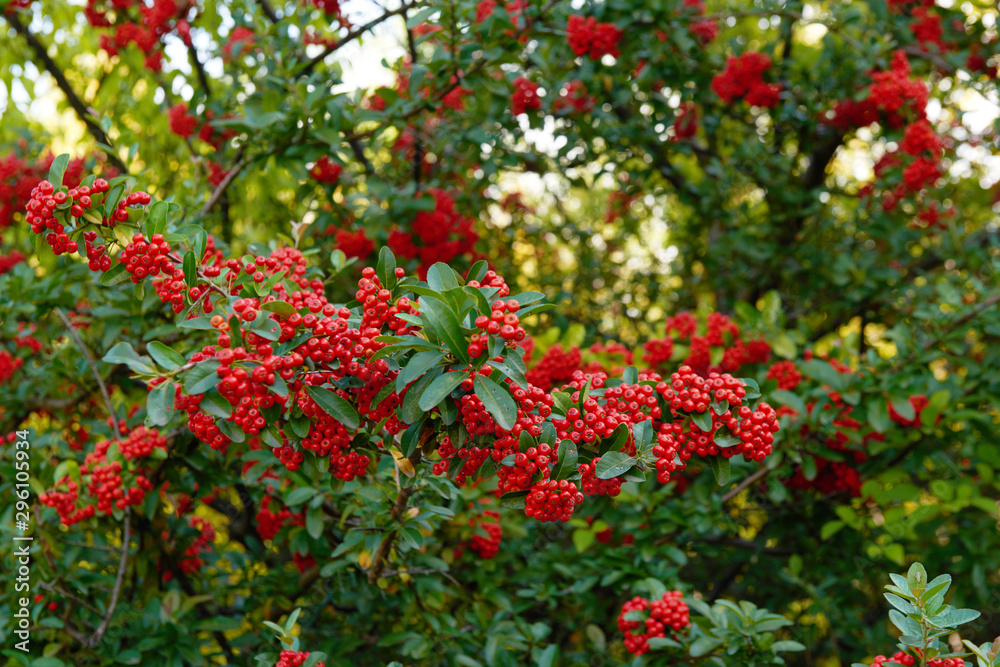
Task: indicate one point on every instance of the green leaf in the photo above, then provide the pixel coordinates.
(201, 378)
(703, 420)
(117, 274)
(497, 401)
(440, 389)
(794, 401)
(515, 500)
(903, 406)
(385, 269)
(787, 645)
(314, 522)
(160, 403)
(441, 277)
(58, 169)
(443, 321)
(282, 308)
(824, 372)
(566, 461)
(878, 415)
(335, 405)
(190, 268)
(613, 464)
(165, 356)
(582, 538)
(720, 468)
(299, 495)
(123, 353)
(419, 363)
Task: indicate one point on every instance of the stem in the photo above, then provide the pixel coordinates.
(398, 507)
(99, 632)
(93, 368)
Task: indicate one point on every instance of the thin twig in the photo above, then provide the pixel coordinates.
(52, 588)
(223, 186)
(93, 368)
(760, 474)
(122, 563)
(354, 34)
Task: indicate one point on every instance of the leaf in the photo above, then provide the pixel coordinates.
(282, 308)
(418, 364)
(878, 415)
(515, 500)
(201, 378)
(824, 372)
(582, 538)
(160, 403)
(123, 353)
(190, 268)
(58, 169)
(703, 420)
(299, 495)
(440, 389)
(794, 401)
(441, 277)
(165, 356)
(903, 406)
(630, 375)
(566, 462)
(385, 269)
(335, 405)
(443, 321)
(497, 401)
(410, 438)
(720, 468)
(613, 464)
(703, 646)
(117, 274)
(314, 522)
(787, 645)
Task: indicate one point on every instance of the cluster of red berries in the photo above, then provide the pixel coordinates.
(555, 367)
(786, 374)
(269, 522)
(525, 96)
(588, 36)
(549, 500)
(19, 176)
(743, 78)
(145, 27)
(52, 606)
(46, 200)
(443, 234)
(106, 482)
(9, 365)
(502, 321)
(146, 258)
(721, 336)
(294, 659)
(326, 171)
(669, 613)
(486, 546)
(907, 660)
(591, 485)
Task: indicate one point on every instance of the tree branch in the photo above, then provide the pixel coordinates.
(95, 638)
(74, 100)
(354, 34)
(93, 368)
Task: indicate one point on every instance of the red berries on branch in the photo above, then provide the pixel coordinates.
(669, 614)
(743, 78)
(587, 36)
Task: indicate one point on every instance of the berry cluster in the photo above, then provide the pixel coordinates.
(587, 36)
(109, 484)
(443, 234)
(907, 660)
(294, 659)
(326, 171)
(669, 613)
(525, 96)
(743, 79)
(486, 546)
(146, 258)
(549, 500)
(721, 341)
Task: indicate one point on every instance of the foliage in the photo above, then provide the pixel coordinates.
(420, 350)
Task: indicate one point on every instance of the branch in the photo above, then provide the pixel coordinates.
(268, 10)
(223, 186)
(398, 507)
(760, 474)
(74, 100)
(99, 632)
(354, 34)
(93, 368)
(200, 70)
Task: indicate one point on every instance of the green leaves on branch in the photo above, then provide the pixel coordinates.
(335, 405)
(497, 401)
